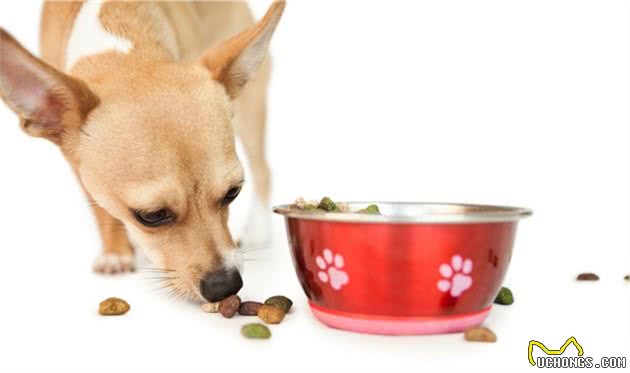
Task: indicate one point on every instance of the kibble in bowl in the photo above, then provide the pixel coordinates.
(430, 268)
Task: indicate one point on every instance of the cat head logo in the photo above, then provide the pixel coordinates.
(557, 352)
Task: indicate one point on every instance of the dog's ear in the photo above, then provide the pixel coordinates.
(233, 61)
(49, 103)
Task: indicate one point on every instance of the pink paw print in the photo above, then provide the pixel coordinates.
(455, 276)
(331, 269)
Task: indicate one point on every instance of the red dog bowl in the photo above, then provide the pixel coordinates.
(418, 268)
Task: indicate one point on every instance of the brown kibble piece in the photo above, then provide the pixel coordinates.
(113, 306)
(270, 314)
(229, 306)
(249, 308)
(587, 277)
(210, 307)
(627, 278)
(480, 334)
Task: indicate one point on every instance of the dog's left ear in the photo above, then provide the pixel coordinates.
(233, 61)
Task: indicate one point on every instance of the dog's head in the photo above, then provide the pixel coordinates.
(153, 146)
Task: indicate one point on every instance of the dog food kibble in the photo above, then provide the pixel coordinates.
(504, 297)
(627, 278)
(229, 306)
(371, 209)
(210, 307)
(272, 311)
(271, 314)
(327, 204)
(587, 277)
(480, 334)
(113, 306)
(305, 205)
(280, 301)
(249, 308)
(255, 331)
(300, 203)
(343, 207)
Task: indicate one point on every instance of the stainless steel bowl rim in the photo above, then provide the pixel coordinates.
(418, 212)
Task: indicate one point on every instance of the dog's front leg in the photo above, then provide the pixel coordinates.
(117, 253)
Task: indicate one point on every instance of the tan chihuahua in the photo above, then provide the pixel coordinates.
(144, 100)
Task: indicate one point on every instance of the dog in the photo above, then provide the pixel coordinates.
(145, 100)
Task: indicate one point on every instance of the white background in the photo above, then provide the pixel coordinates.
(522, 103)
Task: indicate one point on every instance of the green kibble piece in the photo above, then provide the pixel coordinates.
(627, 278)
(310, 207)
(281, 302)
(504, 297)
(327, 204)
(372, 209)
(255, 331)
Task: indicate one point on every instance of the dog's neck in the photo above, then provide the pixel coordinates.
(108, 35)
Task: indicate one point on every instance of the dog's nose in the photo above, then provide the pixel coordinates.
(218, 285)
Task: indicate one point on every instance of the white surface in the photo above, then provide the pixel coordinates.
(523, 103)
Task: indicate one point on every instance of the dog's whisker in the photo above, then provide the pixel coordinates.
(170, 285)
(149, 269)
(244, 251)
(255, 253)
(159, 274)
(256, 260)
(159, 278)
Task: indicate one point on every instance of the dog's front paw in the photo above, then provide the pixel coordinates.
(114, 263)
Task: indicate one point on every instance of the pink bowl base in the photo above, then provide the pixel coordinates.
(399, 325)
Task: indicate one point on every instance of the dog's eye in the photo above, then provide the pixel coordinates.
(231, 195)
(154, 218)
